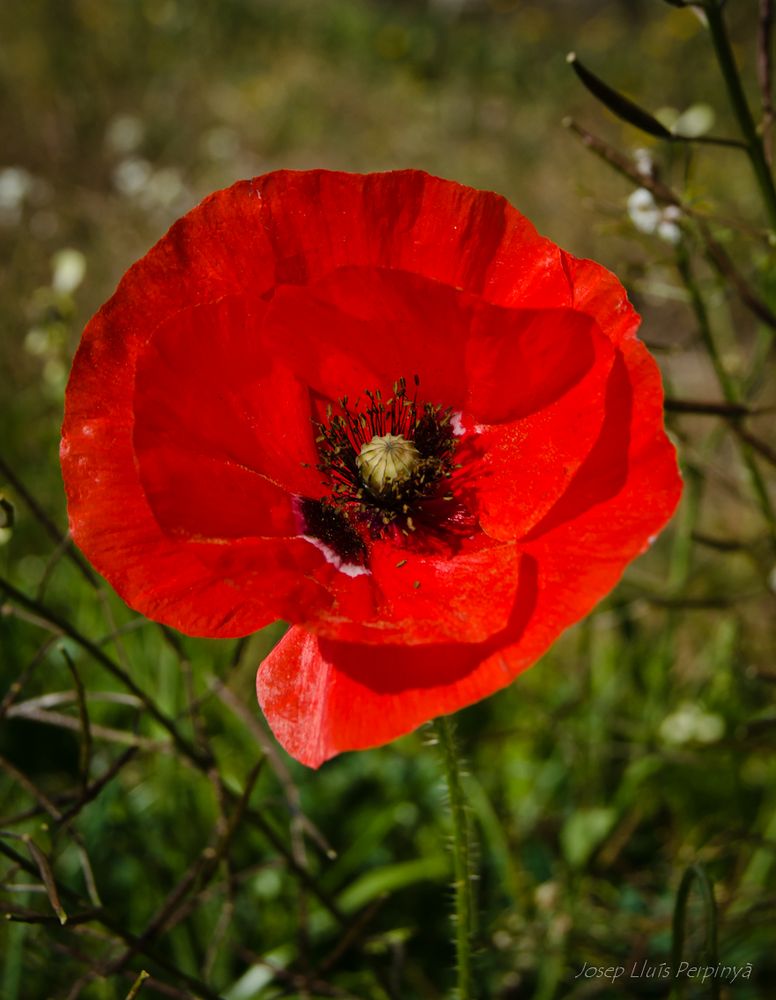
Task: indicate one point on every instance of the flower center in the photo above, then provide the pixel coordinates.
(385, 462)
(388, 464)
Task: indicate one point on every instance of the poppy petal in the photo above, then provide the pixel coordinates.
(318, 220)
(114, 524)
(399, 601)
(529, 463)
(214, 458)
(597, 292)
(363, 328)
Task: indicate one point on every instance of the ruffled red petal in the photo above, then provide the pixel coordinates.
(409, 597)
(597, 292)
(318, 221)
(528, 463)
(217, 456)
(360, 329)
(224, 586)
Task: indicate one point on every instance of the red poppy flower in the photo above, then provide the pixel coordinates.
(382, 408)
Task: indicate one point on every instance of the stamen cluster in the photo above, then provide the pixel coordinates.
(359, 503)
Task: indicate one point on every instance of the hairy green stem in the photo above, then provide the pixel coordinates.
(754, 144)
(462, 884)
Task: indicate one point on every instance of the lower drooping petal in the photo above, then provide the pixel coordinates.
(322, 697)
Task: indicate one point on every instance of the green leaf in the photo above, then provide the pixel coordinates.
(695, 874)
(584, 831)
(252, 982)
(389, 878)
(617, 103)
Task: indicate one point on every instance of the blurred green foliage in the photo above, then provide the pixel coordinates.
(644, 741)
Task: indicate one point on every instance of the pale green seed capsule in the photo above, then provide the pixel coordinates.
(386, 460)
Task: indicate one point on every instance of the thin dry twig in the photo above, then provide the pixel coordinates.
(31, 788)
(137, 985)
(19, 683)
(352, 934)
(91, 793)
(106, 733)
(200, 872)
(83, 715)
(54, 699)
(47, 877)
(8, 472)
(709, 408)
(725, 267)
(757, 444)
(21, 915)
(119, 932)
(190, 752)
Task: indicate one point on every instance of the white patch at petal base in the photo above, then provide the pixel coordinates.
(456, 424)
(349, 569)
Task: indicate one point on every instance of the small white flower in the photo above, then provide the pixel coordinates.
(648, 217)
(644, 162)
(37, 341)
(69, 267)
(15, 185)
(691, 724)
(669, 231)
(644, 211)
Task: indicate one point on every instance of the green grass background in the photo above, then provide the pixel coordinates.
(641, 744)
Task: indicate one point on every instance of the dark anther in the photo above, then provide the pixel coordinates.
(328, 523)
